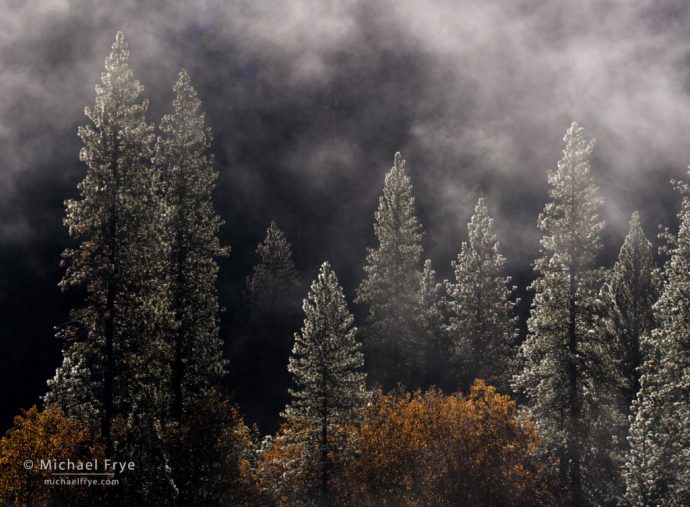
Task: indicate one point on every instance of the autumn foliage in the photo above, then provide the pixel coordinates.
(436, 449)
(424, 448)
(47, 434)
(286, 472)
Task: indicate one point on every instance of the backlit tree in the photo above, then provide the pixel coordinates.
(392, 279)
(571, 376)
(482, 324)
(187, 181)
(657, 470)
(326, 364)
(116, 342)
(634, 290)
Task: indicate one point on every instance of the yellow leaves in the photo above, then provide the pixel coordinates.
(43, 435)
(432, 448)
(420, 448)
(284, 469)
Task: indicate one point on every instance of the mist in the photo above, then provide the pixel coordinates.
(309, 101)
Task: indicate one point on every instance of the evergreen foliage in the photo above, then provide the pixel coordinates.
(391, 283)
(634, 290)
(274, 277)
(431, 360)
(142, 370)
(115, 344)
(261, 352)
(326, 365)
(657, 469)
(187, 181)
(482, 324)
(141, 441)
(571, 378)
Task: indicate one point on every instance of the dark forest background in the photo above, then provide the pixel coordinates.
(308, 103)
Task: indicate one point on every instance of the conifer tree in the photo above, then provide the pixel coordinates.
(432, 357)
(570, 377)
(634, 292)
(142, 443)
(187, 180)
(392, 280)
(657, 470)
(482, 324)
(197, 367)
(210, 454)
(326, 365)
(261, 356)
(275, 277)
(115, 343)
(647, 462)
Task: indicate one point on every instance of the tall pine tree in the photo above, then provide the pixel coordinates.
(391, 283)
(570, 378)
(657, 470)
(197, 367)
(326, 365)
(634, 292)
(482, 324)
(142, 442)
(432, 359)
(261, 353)
(187, 181)
(115, 343)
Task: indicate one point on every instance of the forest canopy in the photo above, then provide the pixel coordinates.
(416, 391)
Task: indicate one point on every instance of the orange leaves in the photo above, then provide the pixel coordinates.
(412, 449)
(421, 449)
(430, 448)
(43, 435)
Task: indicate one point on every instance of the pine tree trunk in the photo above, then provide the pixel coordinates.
(178, 365)
(109, 366)
(573, 452)
(636, 356)
(324, 447)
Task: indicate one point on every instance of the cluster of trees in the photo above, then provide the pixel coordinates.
(142, 359)
(420, 448)
(602, 378)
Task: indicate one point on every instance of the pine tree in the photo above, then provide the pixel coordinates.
(187, 180)
(115, 342)
(634, 292)
(329, 387)
(210, 455)
(142, 443)
(262, 353)
(392, 280)
(482, 324)
(657, 471)
(275, 277)
(432, 358)
(570, 378)
(647, 465)
(197, 367)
